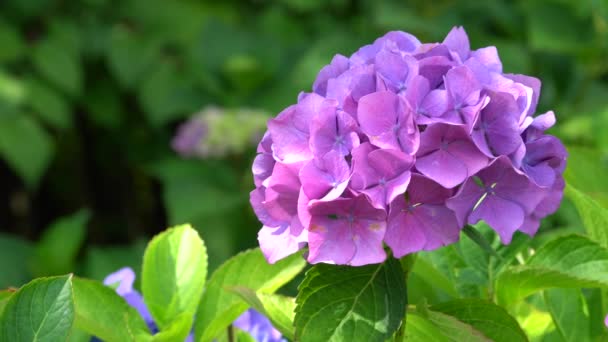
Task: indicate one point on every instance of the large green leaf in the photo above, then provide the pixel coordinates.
(342, 303)
(58, 247)
(219, 307)
(26, 147)
(568, 262)
(279, 309)
(569, 313)
(436, 326)
(179, 255)
(101, 312)
(594, 216)
(489, 319)
(43, 310)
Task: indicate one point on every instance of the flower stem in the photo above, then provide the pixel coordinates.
(407, 263)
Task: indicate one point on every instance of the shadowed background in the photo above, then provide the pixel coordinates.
(92, 93)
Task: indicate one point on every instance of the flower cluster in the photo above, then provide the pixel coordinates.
(251, 321)
(217, 132)
(404, 144)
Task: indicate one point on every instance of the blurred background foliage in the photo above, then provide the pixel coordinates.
(93, 91)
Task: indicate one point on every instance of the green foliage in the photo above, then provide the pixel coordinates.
(219, 307)
(279, 309)
(594, 216)
(569, 311)
(43, 310)
(58, 247)
(25, 146)
(14, 253)
(179, 255)
(570, 261)
(339, 303)
(115, 320)
(489, 319)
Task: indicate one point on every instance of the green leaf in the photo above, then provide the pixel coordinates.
(14, 252)
(164, 95)
(48, 104)
(280, 310)
(584, 167)
(42, 310)
(424, 269)
(58, 65)
(177, 330)
(26, 147)
(343, 303)
(440, 327)
(179, 255)
(569, 313)
(421, 329)
(243, 336)
(567, 262)
(58, 247)
(219, 308)
(489, 319)
(475, 236)
(101, 312)
(12, 92)
(11, 42)
(129, 56)
(5, 295)
(594, 217)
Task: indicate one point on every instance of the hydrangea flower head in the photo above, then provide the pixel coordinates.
(402, 144)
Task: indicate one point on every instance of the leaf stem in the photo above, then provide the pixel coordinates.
(231, 333)
(407, 264)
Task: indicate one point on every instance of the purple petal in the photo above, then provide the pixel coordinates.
(324, 175)
(531, 82)
(338, 65)
(497, 130)
(434, 68)
(346, 231)
(421, 225)
(458, 41)
(290, 136)
(125, 277)
(378, 113)
(283, 191)
(279, 242)
(396, 69)
(258, 326)
(257, 197)
(462, 86)
(488, 56)
(504, 216)
(333, 130)
(262, 167)
(442, 167)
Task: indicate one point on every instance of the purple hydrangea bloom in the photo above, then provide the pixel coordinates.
(403, 144)
(258, 326)
(251, 321)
